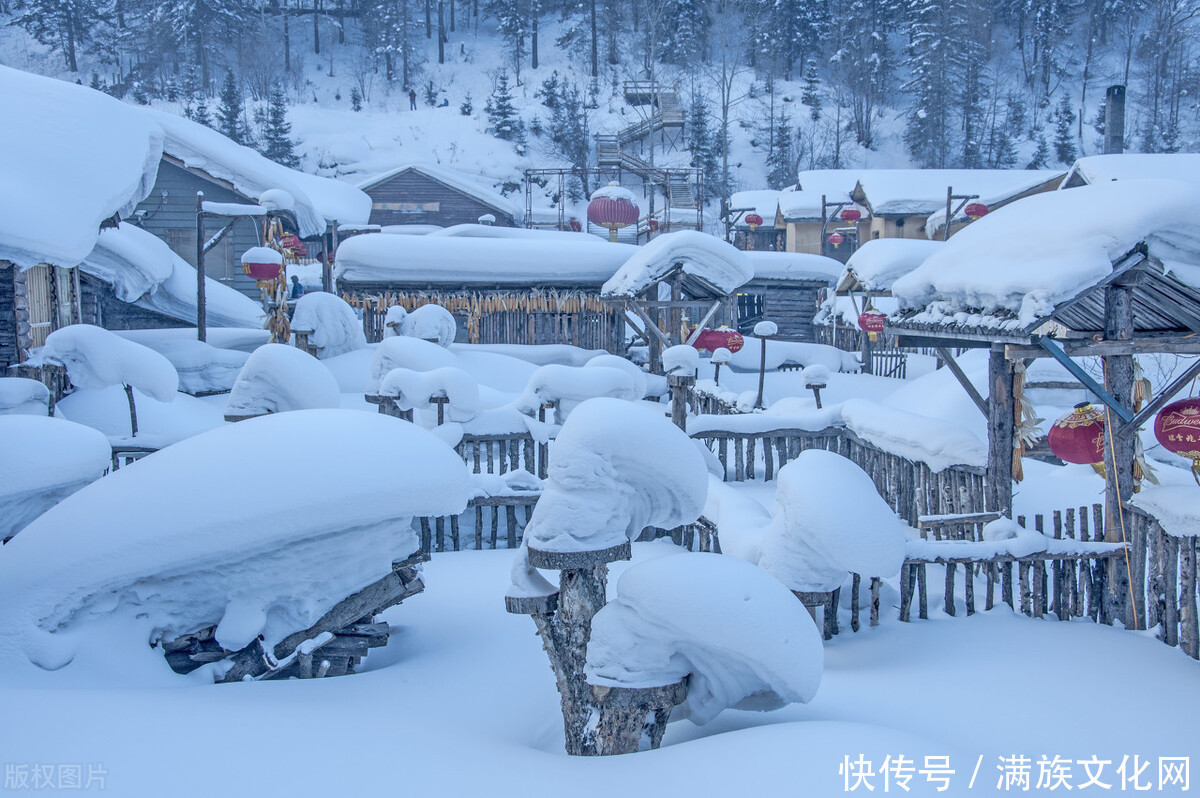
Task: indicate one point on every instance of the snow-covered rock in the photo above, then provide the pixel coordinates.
(335, 327)
(97, 358)
(42, 461)
(828, 521)
(616, 468)
(278, 378)
(742, 636)
(193, 536)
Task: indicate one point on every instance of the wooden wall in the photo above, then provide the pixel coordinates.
(99, 306)
(427, 202)
(791, 305)
(8, 315)
(174, 221)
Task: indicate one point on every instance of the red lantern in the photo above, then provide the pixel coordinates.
(754, 220)
(262, 263)
(836, 239)
(612, 211)
(712, 340)
(871, 321)
(1078, 437)
(653, 225)
(1177, 428)
(294, 245)
(851, 215)
(975, 210)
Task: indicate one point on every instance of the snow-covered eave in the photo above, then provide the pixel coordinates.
(937, 220)
(480, 193)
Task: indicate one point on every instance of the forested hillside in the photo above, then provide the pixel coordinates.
(768, 86)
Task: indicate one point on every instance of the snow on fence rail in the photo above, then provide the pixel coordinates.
(912, 489)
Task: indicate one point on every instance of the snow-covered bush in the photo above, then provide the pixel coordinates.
(21, 396)
(430, 323)
(745, 640)
(42, 461)
(616, 468)
(278, 378)
(829, 521)
(198, 534)
(335, 327)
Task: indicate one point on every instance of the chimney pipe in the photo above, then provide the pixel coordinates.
(1114, 120)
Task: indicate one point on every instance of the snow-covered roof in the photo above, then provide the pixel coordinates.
(763, 202)
(480, 187)
(1049, 180)
(877, 264)
(143, 270)
(318, 200)
(793, 266)
(1013, 267)
(802, 202)
(492, 261)
(913, 192)
(492, 231)
(1133, 165)
(71, 157)
(713, 262)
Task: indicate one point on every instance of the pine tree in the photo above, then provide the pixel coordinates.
(781, 162)
(230, 111)
(931, 63)
(466, 109)
(569, 130)
(65, 25)
(502, 115)
(550, 91)
(431, 93)
(1041, 156)
(201, 113)
(355, 99)
(812, 90)
(512, 20)
(862, 62)
(701, 142)
(1064, 134)
(276, 140)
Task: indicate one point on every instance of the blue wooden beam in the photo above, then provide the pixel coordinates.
(1070, 365)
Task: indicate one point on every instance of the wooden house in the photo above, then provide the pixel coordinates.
(198, 159)
(429, 194)
(827, 192)
(536, 287)
(1093, 169)
(787, 289)
(765, 237)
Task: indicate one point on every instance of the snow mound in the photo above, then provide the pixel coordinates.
(721, 266)
(393, 319)
(877, 264)
(567, 386)
(159, 551)
(765, 329)
(744, 638)
(75, 158)
(815, 375)
(336, 329)
(616, 468)
(408, 353)
(828, 521)
(159, 423)
(632, 369)
(21, 396)
(430, 323)
(749, 357)
(417, 389)
(681, 360)
(278, 378)
(44, 460)
(97, 358)
(202, 367)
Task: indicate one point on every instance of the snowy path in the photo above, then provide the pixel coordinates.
(462, 702)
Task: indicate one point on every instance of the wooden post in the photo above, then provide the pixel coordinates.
(1001, 432)
(327, 266)
(1118, 449)
(762, 371)
(132, 411)
(201, 321)
(680, 384)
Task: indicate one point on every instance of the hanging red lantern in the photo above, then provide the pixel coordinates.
(754, 220)
(1177, 428)
(850, 215)
(291, 243)
(653, 225)
(975, 210)
(836, 239)
(871, 322)
(1078, 437)
(262, 263)
(723, 337)
(612, 208)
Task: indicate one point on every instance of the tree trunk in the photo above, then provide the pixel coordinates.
(441, 32)
(316, 27)
(595, 49)
(132, 411)
(1118, 449)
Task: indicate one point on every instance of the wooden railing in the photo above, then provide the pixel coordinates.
(499, 454)
(911, 489)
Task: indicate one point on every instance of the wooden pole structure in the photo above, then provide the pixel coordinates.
(1001, 432)
(327, 266)
(680, 384)
(201, 320)
(1119, 450)
(762, 371)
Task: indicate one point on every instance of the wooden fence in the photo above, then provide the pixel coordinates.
(911, 489)
(499, 454)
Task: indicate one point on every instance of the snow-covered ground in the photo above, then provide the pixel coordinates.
(461, 702)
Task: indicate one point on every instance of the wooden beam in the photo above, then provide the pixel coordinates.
(1121, 266)
(1001, 426)
(1151, 345)
(699, 327)
(959, 375)
(1164, 396)
(650, 325)
(1077, 371)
